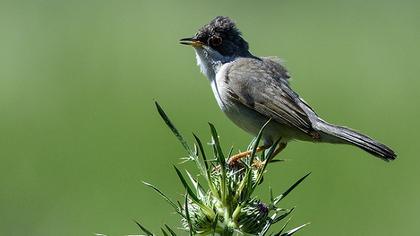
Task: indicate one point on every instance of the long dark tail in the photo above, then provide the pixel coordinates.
(339, 134)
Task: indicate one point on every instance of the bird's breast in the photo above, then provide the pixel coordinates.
(220, 87)
(238, 113)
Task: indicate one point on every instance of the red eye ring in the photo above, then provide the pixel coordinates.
(215, 40)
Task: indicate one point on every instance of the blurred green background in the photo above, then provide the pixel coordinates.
(79, 130)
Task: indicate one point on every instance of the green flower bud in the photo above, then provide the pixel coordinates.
(253, 217)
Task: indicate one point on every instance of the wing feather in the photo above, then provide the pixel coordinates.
(264, 88)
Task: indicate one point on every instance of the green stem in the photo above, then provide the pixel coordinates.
(235, 214)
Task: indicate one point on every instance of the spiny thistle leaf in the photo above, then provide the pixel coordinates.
(164, 232)
(222, 162)
(217, 144)
(269, 155)
(274, 219)
(266, 161)
(187, 215)
(292, 231)
(203, 154)
(167, 199)
(276, 160)
(283, 195)
(170, 230)
(265, 229)
(199, 190)
(241, 186)
(147, 232)
(192, 195)
(187, 187)
(282, 216)
(271, 195)
(214, 224)
(251, 187)
(173, 128)
(257, 141)
(206, 168)
(283, 228)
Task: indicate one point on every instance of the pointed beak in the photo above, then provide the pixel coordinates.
(191, 41)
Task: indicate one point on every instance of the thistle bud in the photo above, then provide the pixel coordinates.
(253, 217)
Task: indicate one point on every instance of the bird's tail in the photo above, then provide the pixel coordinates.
(339, 134)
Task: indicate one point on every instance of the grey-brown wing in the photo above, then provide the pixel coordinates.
(263, 90)
(275, 64)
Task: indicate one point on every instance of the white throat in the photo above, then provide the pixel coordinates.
(215, 72)
(208, 67)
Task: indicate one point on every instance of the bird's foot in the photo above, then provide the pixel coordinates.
(235, 158)
(258, 164)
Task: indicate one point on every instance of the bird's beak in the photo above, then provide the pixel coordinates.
(191, 41)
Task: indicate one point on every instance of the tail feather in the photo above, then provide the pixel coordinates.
(339, 134)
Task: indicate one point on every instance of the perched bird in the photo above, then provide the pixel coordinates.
(251, 90)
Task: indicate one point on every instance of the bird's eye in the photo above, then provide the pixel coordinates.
(215, 40)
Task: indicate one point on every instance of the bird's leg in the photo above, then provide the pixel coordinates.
(280, 148)
(258, 164)
(241, 155)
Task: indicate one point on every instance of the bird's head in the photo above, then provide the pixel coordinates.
(218, 42)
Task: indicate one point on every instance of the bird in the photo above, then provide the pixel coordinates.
(255, 91)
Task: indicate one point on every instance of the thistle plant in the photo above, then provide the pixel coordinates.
(220, 199)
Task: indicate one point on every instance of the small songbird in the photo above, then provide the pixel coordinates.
(252, 90)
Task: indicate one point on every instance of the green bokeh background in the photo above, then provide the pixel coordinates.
(79, 130)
